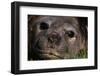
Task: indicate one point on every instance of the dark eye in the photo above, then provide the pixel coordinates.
(44, 26)
(70, 34)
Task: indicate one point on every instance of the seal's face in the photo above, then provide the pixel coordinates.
(56, 37)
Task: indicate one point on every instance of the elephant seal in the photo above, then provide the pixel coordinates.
(56, 37)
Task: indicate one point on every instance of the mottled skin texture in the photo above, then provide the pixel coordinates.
(55, 37)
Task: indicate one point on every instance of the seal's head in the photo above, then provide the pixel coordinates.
(55, 37)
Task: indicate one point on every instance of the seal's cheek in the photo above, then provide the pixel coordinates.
(72, 40)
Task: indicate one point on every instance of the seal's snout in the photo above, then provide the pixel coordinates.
(54, 38)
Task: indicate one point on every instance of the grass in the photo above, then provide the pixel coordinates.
(82, 54)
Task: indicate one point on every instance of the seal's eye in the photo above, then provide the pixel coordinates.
(70, 34)
(44, 26)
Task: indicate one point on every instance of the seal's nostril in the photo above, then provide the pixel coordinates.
(50, 39)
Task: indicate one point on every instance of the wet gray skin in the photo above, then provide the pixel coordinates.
(55, 37)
